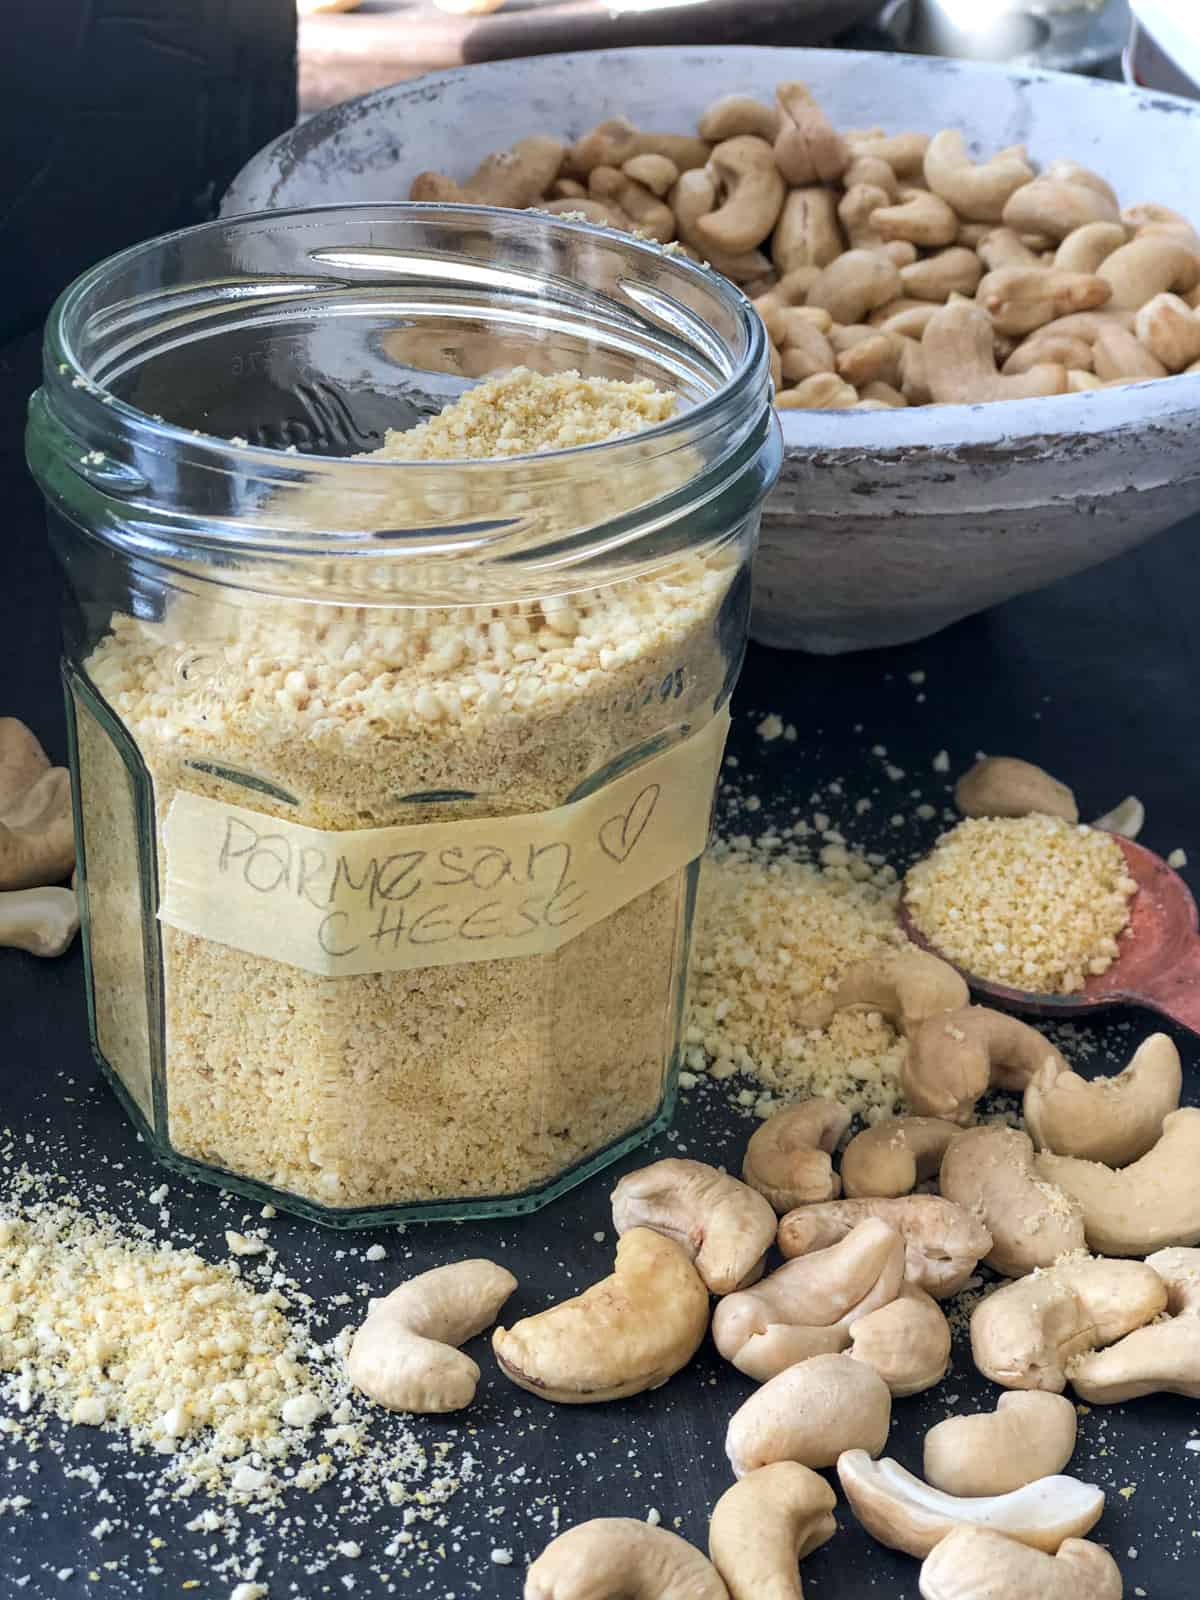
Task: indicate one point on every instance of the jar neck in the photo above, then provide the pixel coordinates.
(164, 318)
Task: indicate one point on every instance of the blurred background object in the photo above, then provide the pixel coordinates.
(1055, 35)
(119, 121)
(1164, 46)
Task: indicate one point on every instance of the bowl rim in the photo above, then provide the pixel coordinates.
(1005, 424)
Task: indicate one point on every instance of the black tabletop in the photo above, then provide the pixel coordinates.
(1096, 678)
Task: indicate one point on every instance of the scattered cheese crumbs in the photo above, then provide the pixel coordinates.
(1036, 902)
(349, 1547)
(157, 1196)
(249, 1591)
(300, 1410)
(1177, 859)
(268, 1212)
(241, 1244)
(1191, 1444)
(916, 677)
(941, 761)
(1128, 1492)
(89, 1411)
(770, 727)
(774, 935)
(654, 1516)
(502, 1558)
(526, 413)
(376, 1252)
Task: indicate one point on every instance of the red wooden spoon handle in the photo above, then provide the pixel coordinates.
(1175, 992)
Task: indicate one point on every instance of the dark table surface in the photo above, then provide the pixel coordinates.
(1096, 678)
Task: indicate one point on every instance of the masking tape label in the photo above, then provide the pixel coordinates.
(434, 894)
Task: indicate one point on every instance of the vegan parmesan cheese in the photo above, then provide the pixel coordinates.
(1034, 902)
(774, 933)
(478, 1079)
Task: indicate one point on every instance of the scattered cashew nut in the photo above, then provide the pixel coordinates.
(955, 1058)
(629, 1332)
(907, 986)
(37, 839)
(764, 1526)
(1113, 1120)
(891, 1157)
(1161, 1358)
(620, 1556)
(1079, 1570)
(724, 1226)
(1127, 817)
(943, 1243)
(404, 1355)
(990, 1172)
(1030, 1435)
(811, 1413)
(1146, 1206)
(902, 1512)
(788, 1158)
(907, 1342)
(40, 921)
(808, 1306)
(1026, 1333)
(1003, 786)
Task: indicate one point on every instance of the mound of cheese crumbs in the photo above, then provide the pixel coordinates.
(525, 413)
(774, 931)
(1035, 902)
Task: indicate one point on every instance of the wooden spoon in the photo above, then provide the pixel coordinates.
(1159, 963)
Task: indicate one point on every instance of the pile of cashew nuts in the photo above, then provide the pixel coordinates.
(1091, 1217)
(37, 846)
(889, 269)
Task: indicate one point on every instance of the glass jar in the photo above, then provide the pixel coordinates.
(391, 777)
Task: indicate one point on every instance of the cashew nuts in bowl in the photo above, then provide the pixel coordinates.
(764, 1526)
(629, 1332)
(904, 1513)
(612, 1556)
(977, 1564)
(724, 1226)
(943, 1243)
(404, 1355)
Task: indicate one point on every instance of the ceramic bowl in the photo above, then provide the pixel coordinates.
(885, 525)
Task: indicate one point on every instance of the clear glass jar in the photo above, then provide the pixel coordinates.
(293, 672)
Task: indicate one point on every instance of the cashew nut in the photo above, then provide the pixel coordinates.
(1114, 1120)
(943, 1243)
(907, 986)
(907, 1342)
(1056, 208)
(903, 152)
(1149, 264)
(824, 391)
(41, 921)
(404, 1355)
(1127, 817)
(856, 211)
(752, 191)
(1170, 330)
(601, 212)
(695, 197)
(656, 173)
(920, 218)
(1020, 299)
(980, 191)
(946, 272)
(724, 1226)
(37, 840)
(1118, 356)
(513, 178)
(735, 114)
(873, 172)
(960, 360)
(1087, 247)
(904, 316)
(808, 1306)
(1030, 1435)
(1152, 1203)
(902, 1512)
(807, 232)
(788, 1158)
(1045, 345)
(892, 1157)
(990, 1172)
(613, 1557)
(764, 1526)
(805, 351)
(807, 147)
(629, 1332)
(1002, 247)
(955, 1058)
(616, 141)
(612, 186)
(1025, 1334)
(1163, 1358)
(1003, 786)
(811, 1413)
(855, 284)
(967, 1557)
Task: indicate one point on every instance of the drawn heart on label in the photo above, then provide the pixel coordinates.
(620, 834)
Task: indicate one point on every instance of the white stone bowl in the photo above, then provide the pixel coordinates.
(885, 525)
